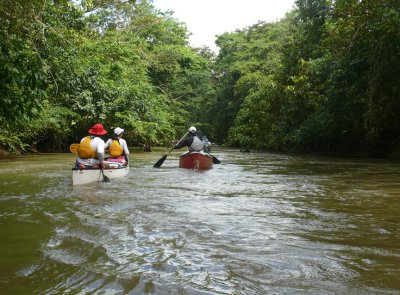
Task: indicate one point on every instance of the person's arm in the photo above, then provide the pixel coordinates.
(100, 150)
(187, 142)
(124, 146)
(107, 145)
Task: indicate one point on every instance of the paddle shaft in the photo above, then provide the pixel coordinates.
(178, 142)
(161, 161)
(105, 178)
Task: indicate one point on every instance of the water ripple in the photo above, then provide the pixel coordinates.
(256, 224)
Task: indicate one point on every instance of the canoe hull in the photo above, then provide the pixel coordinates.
(195, 161)
(84, 176)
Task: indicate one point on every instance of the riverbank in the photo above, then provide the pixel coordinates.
(393, 154)
(6, 154)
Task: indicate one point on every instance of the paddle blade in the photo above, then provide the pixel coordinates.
(160, 162)
(74, 148)
(215, 160)
(105, 178)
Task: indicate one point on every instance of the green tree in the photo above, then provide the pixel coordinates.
(27, 78)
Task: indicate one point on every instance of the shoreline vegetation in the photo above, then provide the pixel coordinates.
(322, 80)
(4, 154)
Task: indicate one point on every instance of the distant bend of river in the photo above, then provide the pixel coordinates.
(259, 223)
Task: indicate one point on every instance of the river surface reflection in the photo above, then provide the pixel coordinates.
(259, 223)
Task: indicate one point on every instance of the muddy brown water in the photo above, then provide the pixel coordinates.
(259, 223)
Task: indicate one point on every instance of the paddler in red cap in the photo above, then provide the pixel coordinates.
(91, 148)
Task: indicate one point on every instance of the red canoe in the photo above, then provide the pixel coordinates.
(195, 161)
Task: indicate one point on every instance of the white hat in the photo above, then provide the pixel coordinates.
(192, 129)
(118, 131)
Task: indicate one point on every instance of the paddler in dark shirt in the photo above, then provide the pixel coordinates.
(193, 142)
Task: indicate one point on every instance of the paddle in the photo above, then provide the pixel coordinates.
(215, 160)
(105, 178)
(161, 161)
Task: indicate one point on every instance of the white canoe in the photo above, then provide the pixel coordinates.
(88, 175)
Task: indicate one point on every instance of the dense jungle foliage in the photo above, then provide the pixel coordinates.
(325, 78)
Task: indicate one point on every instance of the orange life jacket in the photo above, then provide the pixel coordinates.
(115, 150)
(85, 150)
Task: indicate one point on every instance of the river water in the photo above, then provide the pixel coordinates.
(259, 223)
